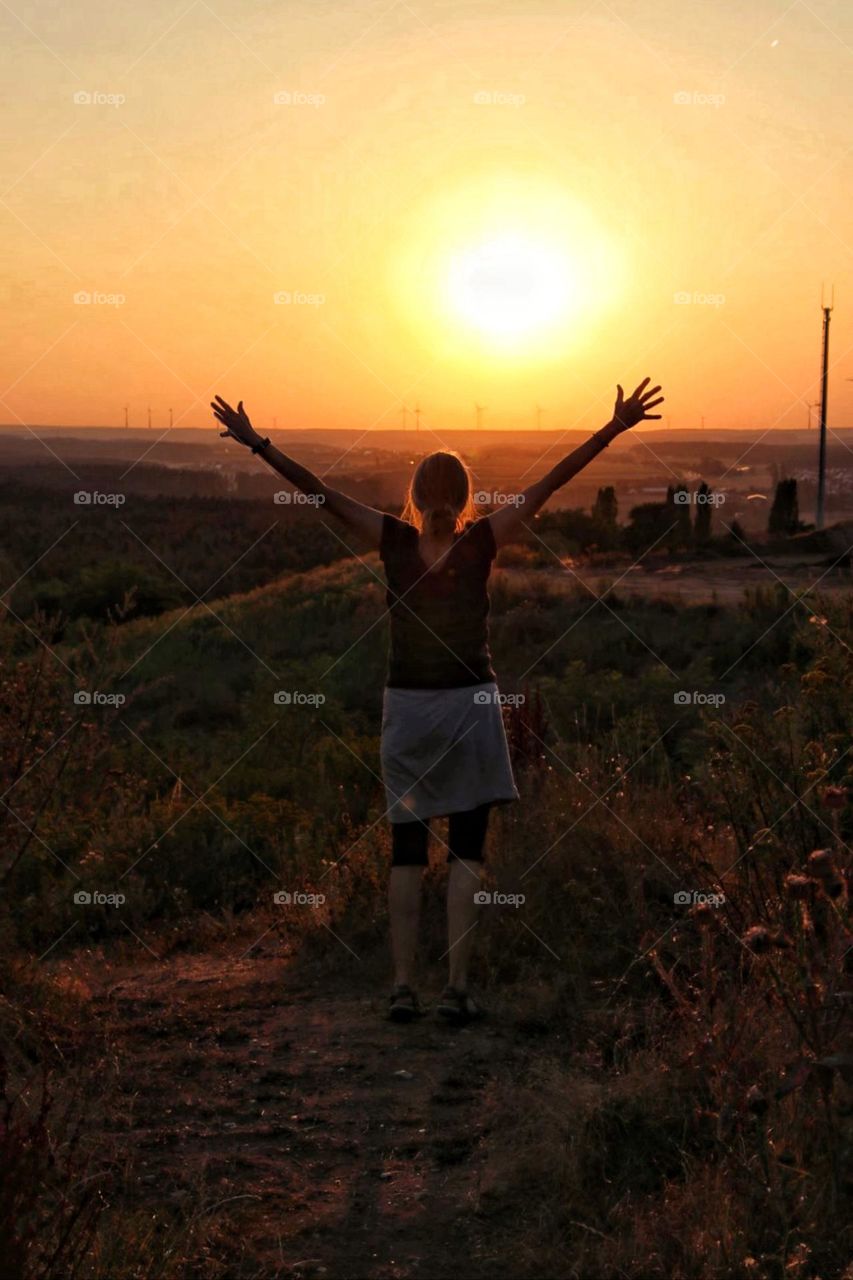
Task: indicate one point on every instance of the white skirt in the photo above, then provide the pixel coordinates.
(444, 751)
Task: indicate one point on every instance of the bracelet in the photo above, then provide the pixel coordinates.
(264, 444)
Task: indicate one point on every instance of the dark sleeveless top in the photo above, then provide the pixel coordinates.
(439, 617)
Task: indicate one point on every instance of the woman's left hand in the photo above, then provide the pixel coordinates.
(627, 413)
(236, 422)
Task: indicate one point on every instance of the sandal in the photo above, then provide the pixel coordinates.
(404, 1004)
(457, 1006)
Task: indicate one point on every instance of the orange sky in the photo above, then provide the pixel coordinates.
(346, 155)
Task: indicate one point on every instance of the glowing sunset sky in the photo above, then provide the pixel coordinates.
(331, 210)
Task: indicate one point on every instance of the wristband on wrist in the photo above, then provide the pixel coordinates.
(262, 444)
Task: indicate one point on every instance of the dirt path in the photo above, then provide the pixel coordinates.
(694, 583)
(255, 1090)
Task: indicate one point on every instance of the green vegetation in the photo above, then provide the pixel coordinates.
(785, 512)
(686, 1112)
(146, 556)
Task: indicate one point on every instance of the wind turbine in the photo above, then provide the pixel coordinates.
(417, 415)
(125, 416)
(539, 412)
(479, 410)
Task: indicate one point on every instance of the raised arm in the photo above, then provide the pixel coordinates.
(363, 519)
(507, 521)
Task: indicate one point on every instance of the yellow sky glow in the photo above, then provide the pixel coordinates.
(327, 210)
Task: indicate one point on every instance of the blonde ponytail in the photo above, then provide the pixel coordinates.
(439, 501)
(440, 521)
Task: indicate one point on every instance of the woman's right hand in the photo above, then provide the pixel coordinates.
(236, 422)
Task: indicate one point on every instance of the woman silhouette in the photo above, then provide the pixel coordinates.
(443, 747)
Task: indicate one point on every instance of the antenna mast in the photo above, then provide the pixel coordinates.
(821, 464)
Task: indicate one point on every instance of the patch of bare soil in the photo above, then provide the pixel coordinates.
(325, 1139)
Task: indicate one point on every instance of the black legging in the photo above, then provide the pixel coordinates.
(466, 834)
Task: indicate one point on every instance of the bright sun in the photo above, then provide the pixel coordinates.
(510, 287)
(503, 268)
